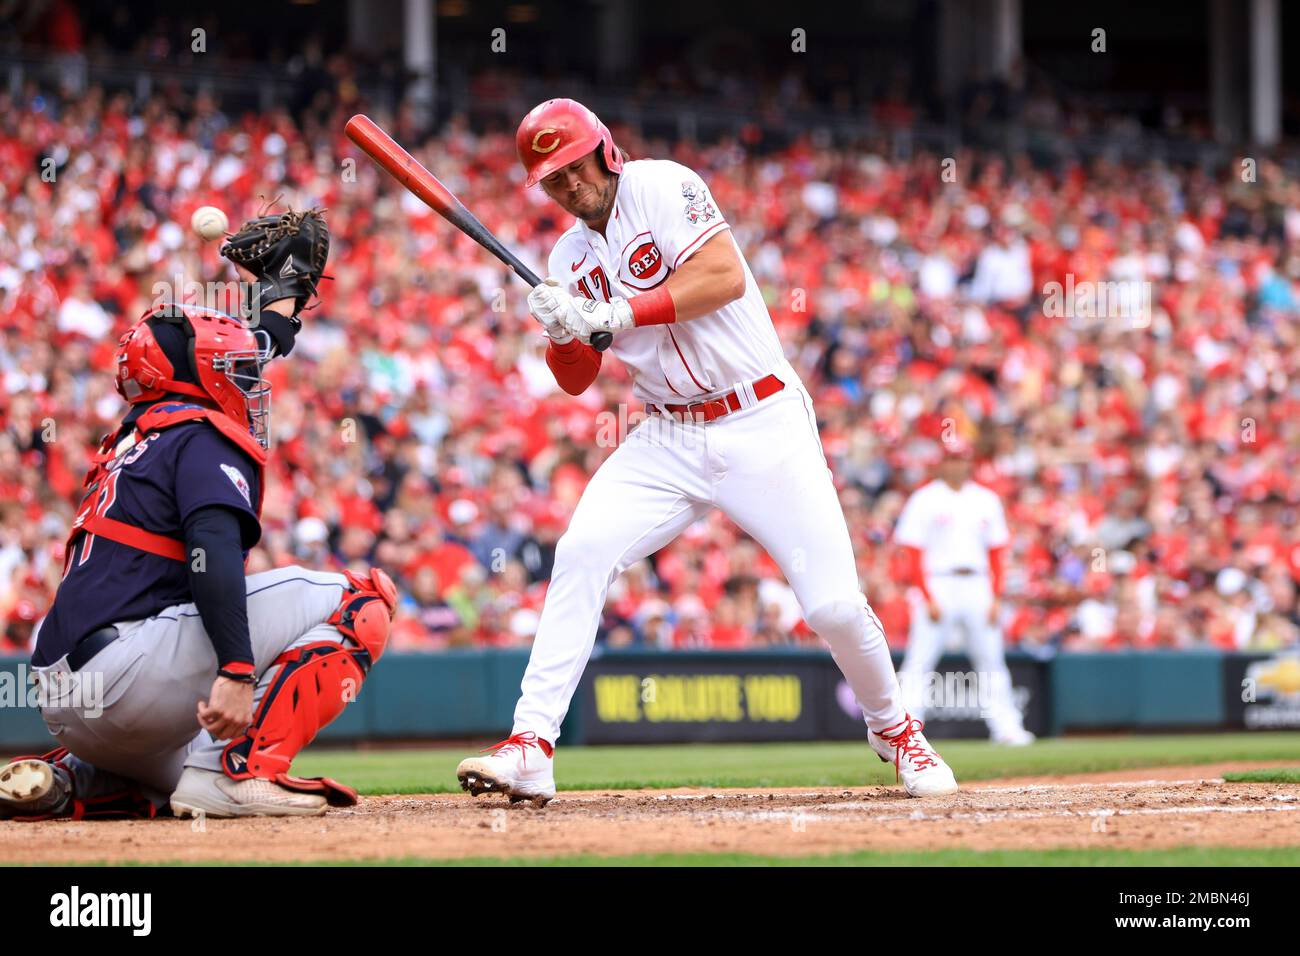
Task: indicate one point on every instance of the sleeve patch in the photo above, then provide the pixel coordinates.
(699, 208)
(239, 481)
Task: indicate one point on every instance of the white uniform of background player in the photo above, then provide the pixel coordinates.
(959, 528)
(762, 464)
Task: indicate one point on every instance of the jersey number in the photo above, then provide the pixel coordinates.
(597, 276)
(106, 499)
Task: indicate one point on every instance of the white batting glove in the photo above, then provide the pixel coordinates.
(549, 304)
(586, 317)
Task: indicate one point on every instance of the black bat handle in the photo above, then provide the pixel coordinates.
(599, 340)
(524, 272)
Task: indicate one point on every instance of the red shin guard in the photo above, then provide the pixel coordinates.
(312, 686)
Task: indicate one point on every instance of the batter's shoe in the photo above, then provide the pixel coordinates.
(32, 787)
(1014, 738)
(522, 767)
(211, 793)
(922, 770)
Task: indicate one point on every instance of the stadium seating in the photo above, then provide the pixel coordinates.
(1149, 462)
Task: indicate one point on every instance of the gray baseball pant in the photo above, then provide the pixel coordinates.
(145, 729)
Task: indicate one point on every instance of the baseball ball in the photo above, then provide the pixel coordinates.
(209, 223)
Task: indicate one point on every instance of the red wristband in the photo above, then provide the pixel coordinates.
(238, 670)
(653, 308)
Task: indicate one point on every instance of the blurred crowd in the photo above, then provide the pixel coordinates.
(1148, 457)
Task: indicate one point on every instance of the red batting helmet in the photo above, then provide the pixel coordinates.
(223, 353)
(559, 132)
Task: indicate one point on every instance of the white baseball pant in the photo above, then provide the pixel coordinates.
(964, 603)
(763, 467)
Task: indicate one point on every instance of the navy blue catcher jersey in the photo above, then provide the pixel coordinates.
(163, 479)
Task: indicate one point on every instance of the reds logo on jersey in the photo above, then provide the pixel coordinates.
(645, 260)
(643, 266)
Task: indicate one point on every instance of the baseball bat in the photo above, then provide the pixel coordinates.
(408, 171)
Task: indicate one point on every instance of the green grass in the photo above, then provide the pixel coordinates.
(829, 765)
(1274, 775)
(795, 765)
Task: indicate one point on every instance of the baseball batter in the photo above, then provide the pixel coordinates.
(154, 615)
(730, 426)
(955, 533)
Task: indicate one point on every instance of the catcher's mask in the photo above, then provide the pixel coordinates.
(216, 359)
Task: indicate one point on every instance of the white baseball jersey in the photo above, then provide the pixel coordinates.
(662, 214)
(953, 529)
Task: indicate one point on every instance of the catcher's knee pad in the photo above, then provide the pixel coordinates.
(314, 683)
(366, 613)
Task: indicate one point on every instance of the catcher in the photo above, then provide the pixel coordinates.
(209, 682)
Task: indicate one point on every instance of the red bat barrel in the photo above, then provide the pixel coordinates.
(410, 172)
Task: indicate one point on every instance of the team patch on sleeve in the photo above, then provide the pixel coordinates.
(239, 481)
(699, 208)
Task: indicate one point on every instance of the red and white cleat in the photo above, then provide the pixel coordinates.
(922, 770)
(522, 767)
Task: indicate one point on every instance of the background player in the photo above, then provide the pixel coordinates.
(730, 426)
(955, 535)
(154, 607)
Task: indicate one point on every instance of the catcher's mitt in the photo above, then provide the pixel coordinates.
(287, 253)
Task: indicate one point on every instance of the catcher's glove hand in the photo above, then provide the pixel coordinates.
(287, 254)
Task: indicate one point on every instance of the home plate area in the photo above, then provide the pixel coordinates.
(1137, 809)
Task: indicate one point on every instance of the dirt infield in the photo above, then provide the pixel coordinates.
(1139, 809)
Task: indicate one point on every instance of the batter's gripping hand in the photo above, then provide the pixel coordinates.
(548, 304)
(588, 317)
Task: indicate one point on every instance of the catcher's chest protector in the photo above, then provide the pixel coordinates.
(97, 498)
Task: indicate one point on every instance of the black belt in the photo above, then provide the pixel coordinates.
(960, 572)
(89, 646)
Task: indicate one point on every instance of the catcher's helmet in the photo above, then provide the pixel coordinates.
(224, 359)
(559, 132)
